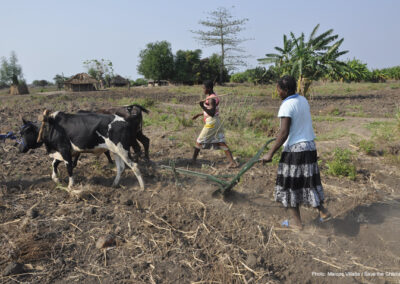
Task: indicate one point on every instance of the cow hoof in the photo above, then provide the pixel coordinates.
(115, 185)
(56, 180)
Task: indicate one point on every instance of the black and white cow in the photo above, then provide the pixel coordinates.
(133, 115)
(65, 135)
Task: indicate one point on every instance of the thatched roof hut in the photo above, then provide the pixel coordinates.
(156, 83)
(119, 81)
(19, 89)
(81, 82)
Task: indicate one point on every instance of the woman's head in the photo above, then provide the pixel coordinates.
(286, 86)
(208, 87)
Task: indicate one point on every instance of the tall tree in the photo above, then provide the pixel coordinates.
(156, 61)
(59, 80)
(223, 30)
(209, 70)
(187, 66)
(10, 70)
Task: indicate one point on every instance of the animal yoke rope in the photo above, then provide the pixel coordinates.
(42, 118)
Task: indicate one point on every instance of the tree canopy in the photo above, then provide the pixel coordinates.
(156, 61)
(10, 70)
(40, 83)
(187, 66)
(101, 70)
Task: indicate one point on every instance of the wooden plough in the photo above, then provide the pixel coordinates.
(224, 185)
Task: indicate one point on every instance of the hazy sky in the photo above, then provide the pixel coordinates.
(56, 36)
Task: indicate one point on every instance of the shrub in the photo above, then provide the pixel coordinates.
(341, 164)
(239, 77)
(185, 122)
(139, 82)
(367, 146)
(147, 102)
(335, 111)
(263, 121)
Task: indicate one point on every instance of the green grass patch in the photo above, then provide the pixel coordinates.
(368, 146)
(341, 164)
(333, 135)
(328, 118)
(335, 111)
(384, 130)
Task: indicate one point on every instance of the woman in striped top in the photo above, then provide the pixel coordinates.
(212, 135)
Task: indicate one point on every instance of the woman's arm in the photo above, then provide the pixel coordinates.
(280, 139)
(211, 111)
(197, 115)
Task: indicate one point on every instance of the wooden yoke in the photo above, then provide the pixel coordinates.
(43, 118)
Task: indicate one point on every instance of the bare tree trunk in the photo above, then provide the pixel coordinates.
(221, 66)
(303, 85)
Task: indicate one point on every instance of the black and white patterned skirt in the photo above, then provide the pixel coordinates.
(298, 180)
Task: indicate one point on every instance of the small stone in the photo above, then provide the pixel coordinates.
(251, 260)
(33, 213)
(126, 200)
(105, 241)
(260, 260)
(13, 268)
(60, 261)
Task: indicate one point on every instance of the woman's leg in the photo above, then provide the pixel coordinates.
(228, 153)
(196, 152)
(296, 216)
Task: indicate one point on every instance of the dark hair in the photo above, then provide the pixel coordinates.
(288, 83)
(209, 85)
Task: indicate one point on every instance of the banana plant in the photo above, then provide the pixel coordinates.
(308, 60)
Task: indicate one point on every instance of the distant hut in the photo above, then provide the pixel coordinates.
(81, 82)
(156, 83)
(18, 87)
(119, 81)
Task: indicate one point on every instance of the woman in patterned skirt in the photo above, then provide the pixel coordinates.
(212, 135)
(298, 180)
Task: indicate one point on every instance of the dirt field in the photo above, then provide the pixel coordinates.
(177, 231)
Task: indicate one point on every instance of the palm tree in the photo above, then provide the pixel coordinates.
(310, 60)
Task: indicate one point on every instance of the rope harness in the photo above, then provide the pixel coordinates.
(10, 135)
(43, 119)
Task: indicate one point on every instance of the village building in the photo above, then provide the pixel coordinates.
(119, 81)
(156, 83)
(81, 82)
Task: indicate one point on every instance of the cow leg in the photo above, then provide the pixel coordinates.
(134, 166)
(136, 146)
(136, 149)
(120, 169)
(55, 172)
(110, 161)
(76, 160)
(66, 155)
(119, 143)
(145, 142)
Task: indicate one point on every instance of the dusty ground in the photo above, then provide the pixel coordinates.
(176, 231)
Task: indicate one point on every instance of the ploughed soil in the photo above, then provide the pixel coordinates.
(178, 230)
